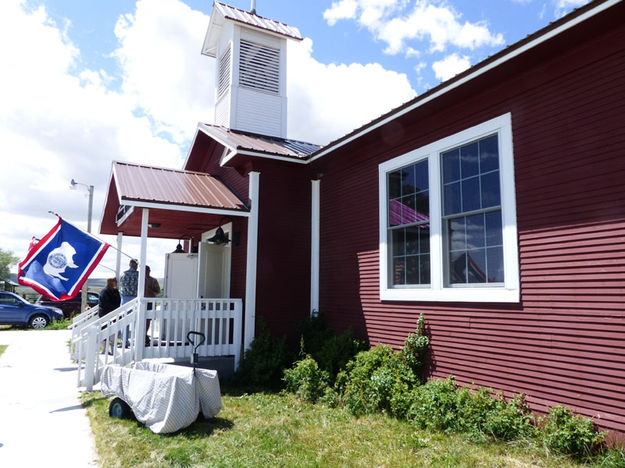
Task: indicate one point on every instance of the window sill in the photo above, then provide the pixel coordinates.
(474, 294)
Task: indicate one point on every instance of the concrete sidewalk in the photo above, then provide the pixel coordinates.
(41, 420)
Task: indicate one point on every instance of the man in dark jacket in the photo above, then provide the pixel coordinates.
(109, 297)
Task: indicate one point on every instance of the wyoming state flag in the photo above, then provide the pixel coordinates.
(59, 264)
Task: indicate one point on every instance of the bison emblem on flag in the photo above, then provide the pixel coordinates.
(58, 265)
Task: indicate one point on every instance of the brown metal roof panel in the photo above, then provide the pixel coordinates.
(261, 143)
(160, 185)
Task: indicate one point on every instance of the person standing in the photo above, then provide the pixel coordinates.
(152, 289)
(109, 297)
(129, 282)
(109, 301)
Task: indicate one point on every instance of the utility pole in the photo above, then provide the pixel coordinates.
(73, 184)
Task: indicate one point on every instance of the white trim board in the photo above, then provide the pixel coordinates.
(192, 209)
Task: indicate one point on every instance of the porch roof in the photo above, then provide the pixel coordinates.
(175, 199)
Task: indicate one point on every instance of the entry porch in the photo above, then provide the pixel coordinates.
(208, 218)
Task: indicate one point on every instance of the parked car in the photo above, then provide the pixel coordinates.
(17, 311)
(70, 307)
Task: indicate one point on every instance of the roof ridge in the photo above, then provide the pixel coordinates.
(162, 168)
(254, 14)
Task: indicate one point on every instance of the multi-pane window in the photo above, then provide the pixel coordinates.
(448, 219)
(408, 223)
(472, 213)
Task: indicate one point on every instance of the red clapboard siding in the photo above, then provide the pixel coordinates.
(283, 271)
(565, 341)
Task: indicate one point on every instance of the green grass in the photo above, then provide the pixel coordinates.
(2, 348)
(270, 430)
(58, 325)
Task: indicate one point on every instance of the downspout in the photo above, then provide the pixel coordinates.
(314, 247)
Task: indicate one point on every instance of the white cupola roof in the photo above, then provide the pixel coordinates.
(250, 81)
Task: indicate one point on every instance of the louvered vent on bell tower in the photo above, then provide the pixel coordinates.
(259, 67)
(223, 73)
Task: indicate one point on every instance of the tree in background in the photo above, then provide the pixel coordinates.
(6, 260)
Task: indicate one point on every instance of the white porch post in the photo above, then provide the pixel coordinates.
(314, 248)
(144, 249)
(118, 261)
(252, 255)
(140, 323)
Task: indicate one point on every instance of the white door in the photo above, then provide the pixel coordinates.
(180, 275)
(213, 271)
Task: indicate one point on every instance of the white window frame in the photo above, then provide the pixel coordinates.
(437, 290)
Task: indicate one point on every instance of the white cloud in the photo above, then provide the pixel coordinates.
(412, 53)
(343, 9)
(562, 7)
(327, 101)
(450, 66)
(435, 22)
(163, 70)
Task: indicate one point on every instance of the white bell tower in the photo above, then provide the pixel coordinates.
(250, 79)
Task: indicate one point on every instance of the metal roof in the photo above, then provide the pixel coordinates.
(252, 19)
(238, 140)
(173, 187)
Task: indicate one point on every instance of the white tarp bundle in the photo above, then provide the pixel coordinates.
(164, 397)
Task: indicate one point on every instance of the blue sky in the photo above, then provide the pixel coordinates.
(90, 24)
(86, 82)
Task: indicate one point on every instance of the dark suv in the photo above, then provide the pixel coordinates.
(70, 307)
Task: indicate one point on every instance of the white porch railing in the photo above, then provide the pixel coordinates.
(160, 327)
(78, 325)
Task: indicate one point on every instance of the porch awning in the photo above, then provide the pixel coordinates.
(177, 200)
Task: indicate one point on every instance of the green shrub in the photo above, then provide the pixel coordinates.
(377, 380)
(264, 362)
(481, 415)
(435, 405)
(442, 405)
(565, 432)
(613, 458)
(330, 398)
(415, 347)
(331, 351)
(337, 351)
(510, 420)
(306, 380)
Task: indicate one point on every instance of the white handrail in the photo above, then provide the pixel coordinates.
(87, 343)
(159, 329)
(78, 323)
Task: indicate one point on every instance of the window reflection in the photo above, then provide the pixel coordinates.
(471, 213)
(408, 220)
